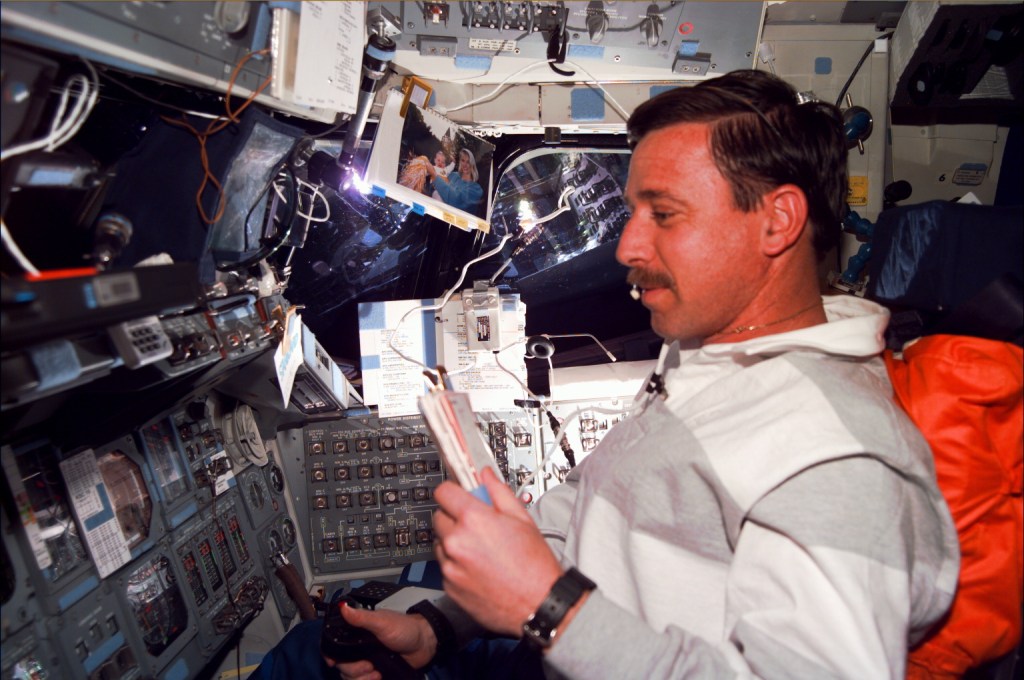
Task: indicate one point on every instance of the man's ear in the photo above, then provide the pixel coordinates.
(785, 218)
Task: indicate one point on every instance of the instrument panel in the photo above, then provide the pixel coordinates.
(140, 557)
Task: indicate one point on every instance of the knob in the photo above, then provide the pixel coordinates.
(597, 21)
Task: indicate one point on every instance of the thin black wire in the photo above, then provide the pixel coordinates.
(863, 58)
(334, 128)
(266, 251)
(192, 112)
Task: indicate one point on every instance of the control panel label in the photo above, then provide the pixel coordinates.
(492, 45)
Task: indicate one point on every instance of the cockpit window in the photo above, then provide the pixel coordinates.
(559, 203)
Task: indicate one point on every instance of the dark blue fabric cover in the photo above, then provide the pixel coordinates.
(934, 256)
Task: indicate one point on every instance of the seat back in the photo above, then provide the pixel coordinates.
(966, 395)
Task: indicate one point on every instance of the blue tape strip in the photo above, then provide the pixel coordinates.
(293, 5)
(587, 105)
(377, 53)
(77, 593)
(103, 652)
(185, 513)
(472, 61)
(104, 515)
(481, 493)
(357, 412)
(688, 48)
(179, 671)
(371, 316)
(378, 191)
(429, 335)
(658, 89)
(585, 52)
(142, 548)
(261, 34)
(419, 209)
(416, 571)
(90, 295)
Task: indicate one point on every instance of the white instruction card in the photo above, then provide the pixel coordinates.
(91, 504)
(390, 380)
(330, 55)
(288, 355)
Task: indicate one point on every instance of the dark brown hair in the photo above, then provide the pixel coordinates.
(762, 137)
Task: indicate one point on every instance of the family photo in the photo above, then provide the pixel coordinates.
(444, 162)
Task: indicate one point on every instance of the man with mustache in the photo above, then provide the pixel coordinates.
(767, 510)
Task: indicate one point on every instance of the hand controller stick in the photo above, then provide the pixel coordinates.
(345, 643)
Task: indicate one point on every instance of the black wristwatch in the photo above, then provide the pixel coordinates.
(542, 627)
(442, 627)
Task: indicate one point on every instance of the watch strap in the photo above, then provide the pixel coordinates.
(542, 626)
(442, 627)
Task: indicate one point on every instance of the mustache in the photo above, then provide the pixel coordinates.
(644, 278)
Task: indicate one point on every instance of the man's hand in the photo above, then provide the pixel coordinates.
(495, 563)
(409, 635)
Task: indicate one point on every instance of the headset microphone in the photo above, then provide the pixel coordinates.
(634, 292)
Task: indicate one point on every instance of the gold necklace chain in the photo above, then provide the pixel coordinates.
(745, 329)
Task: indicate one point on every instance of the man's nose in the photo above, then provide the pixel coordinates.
(631, 248)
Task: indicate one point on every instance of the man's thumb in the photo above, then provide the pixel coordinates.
(361, 618)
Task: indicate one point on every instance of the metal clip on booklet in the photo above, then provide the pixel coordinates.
(451, 421)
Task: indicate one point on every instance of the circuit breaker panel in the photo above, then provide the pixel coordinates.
(370, 486)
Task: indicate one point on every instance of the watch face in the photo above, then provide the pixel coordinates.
(538, 633)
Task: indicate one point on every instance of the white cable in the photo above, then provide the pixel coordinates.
(552, 215)
(315, 194)
(515, 377)
(618, 107)
(15, 251)
(444, 301)
(468, 368)
(280, 192)
(555, 444)
(83, 107)
(547, 456)
(497, 89)
(62, 128)
(564, 425)
(505, 81)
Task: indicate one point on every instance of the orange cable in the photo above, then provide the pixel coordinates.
(215, 126)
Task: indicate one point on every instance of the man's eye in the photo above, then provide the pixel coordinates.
(660, 216)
